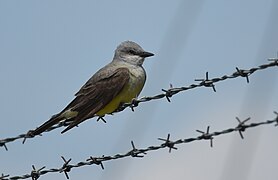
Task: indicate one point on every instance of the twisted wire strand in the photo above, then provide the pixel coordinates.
(66, 167)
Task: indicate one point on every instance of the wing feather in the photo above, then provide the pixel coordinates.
(95, 95)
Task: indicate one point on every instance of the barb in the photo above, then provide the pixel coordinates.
(206, 135)
(167, 93)
(137, 152)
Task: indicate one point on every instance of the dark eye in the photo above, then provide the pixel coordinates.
(131, 51)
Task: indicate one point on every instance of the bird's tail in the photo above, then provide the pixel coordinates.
(52, 121)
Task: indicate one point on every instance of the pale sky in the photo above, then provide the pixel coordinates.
(49, 49)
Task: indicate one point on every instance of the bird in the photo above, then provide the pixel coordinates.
(118, 82)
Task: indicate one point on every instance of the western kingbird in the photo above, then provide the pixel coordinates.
(118, 82)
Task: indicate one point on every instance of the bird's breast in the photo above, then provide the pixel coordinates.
(137, 80)
(131, 90)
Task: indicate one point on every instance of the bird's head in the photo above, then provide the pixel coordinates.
(131, 52)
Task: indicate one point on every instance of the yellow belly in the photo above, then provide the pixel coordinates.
(130, 91)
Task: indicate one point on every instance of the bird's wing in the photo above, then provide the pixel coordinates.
(95, 95)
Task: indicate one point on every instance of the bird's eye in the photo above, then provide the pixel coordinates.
(131, 51)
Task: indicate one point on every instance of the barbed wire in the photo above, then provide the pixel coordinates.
(141, 152)
(167, 93)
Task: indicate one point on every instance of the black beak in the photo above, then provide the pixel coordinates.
(145, 54)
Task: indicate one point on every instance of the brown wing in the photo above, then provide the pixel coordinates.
(92, 97)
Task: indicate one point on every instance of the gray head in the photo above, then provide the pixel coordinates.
(131, 52)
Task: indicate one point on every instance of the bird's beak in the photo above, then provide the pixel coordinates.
(145, 54)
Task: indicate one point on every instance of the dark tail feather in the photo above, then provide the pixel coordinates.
(52, 121)
(71, 125)
(68, 128)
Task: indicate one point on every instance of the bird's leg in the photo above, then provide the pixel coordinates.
(134, 103)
